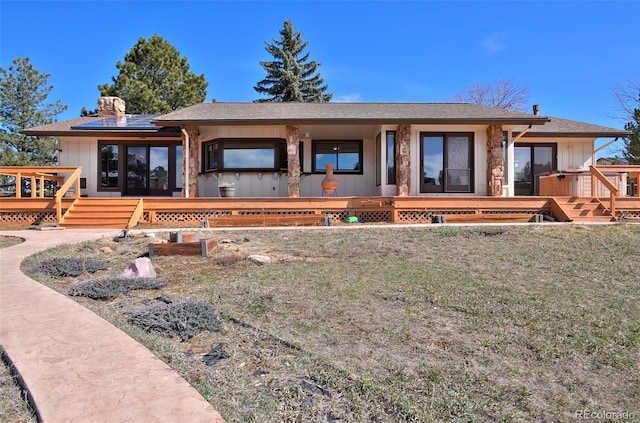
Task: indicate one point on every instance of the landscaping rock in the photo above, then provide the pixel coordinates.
(259, 259)
(106, 250)
(139, 268)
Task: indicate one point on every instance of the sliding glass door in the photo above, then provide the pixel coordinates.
(147, 170)
(531, 160)
(446, 162)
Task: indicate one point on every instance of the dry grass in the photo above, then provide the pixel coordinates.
(520, 323)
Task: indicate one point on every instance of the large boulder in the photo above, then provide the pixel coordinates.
(140, 268)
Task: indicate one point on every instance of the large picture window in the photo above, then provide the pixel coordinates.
(345, 156)
(446, 162)
(245, 155)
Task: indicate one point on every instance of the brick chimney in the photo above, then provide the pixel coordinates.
(110, 106)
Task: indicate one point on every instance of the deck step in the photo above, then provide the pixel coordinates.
(101, 213)
(584, 209)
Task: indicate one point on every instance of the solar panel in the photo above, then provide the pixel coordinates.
(119, 122)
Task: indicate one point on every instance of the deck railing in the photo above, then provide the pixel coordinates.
(596, 176)
(35, 174)
(72, 181)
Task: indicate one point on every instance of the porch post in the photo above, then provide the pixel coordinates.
(495, 160)
(293, 158)
(403, 160)
(193, 162)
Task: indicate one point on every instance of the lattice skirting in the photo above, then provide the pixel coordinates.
(28, 217)
(628, 215)
(196, 217)
(336, 216)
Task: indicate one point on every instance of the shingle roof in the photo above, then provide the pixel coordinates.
(558, 127)
(301, 113)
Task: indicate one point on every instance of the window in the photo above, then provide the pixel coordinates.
(178, 167)
(346, 156)
(245, 155)
(505, 152)
(446, 162)
(109, 170)
(378, 159)
(391, 157)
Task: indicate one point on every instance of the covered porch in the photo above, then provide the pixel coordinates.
(68, 208)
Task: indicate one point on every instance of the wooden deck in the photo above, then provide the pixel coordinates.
(128, 212)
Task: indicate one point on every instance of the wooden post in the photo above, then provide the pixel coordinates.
(18, 185)
(293, 170)
(403, 160)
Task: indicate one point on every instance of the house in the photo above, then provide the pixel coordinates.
(280, 149)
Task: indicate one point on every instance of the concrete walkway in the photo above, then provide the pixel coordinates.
(76, 366)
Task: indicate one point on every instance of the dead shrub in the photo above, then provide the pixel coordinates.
(184, 318)
(111, 286)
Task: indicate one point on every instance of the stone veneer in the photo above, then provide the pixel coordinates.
(293, 171)
(403, 160)
(495, 160)
(194, 160)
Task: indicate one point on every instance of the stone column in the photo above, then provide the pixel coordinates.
(495, 160)
(403, 160)
(194, 161)
(293, 158)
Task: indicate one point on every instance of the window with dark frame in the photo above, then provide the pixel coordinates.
(240, 155)
(109, 167)
(345, 156)
(446, 161)
(378, 159)
(391, 157)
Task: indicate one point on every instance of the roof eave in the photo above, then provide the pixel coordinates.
(575, 134)
(92, 133)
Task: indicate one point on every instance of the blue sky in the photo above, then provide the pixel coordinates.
(569, 54)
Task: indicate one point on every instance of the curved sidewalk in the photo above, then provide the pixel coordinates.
(76, 366)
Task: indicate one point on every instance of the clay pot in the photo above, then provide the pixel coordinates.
(329, 184)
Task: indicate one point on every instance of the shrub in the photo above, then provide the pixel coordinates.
(110, 286)
(184, 318)
(69, 266)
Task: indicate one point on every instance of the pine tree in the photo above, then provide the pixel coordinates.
(632, 143)
(23, 96)
(291, 76)
(155, 79)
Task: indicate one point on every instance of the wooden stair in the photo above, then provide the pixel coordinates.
(584, 209)
(100, 213)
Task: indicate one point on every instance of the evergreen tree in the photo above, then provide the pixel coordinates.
(155, 79)
(291, 76)
(23, 96)
(632, 143)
